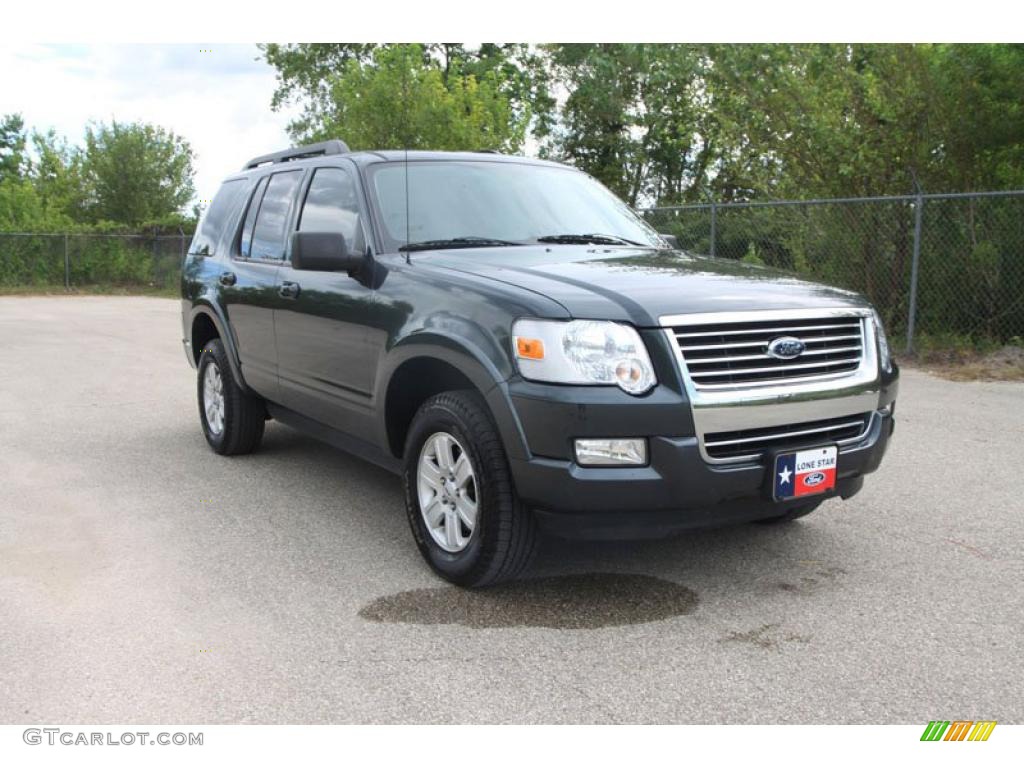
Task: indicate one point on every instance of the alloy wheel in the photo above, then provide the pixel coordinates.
(213, 398)
(447, 490)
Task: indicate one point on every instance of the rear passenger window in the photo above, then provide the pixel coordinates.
(272, 218)
(245, 247)
(331, 205)
(225, 203)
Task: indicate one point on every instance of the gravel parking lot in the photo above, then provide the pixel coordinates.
(144, 579)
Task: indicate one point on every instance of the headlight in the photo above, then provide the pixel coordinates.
(583, 352)
(885, 357)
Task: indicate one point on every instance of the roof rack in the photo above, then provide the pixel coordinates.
(331, 147)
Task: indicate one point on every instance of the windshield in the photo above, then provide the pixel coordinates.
(500, 203)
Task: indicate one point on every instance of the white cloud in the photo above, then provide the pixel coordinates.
(219, 101)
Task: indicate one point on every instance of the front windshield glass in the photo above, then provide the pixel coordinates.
(500, 201)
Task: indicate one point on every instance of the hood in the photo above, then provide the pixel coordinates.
(638, 285)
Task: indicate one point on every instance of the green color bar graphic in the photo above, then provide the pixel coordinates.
(934, 730)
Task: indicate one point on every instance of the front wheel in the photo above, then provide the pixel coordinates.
(465, 516)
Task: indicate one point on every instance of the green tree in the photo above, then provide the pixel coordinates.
(21, 210)
(58, 175)
(399, 99)
(599, 121)
(980, 93)
(636, 117)
(304, 75)
(380, 96)
(136, 172)
(679, 123)
(12, 147)
(832, 119)
(852, 119)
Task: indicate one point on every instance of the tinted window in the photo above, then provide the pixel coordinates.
(217, 216)
(250, 217)
(272, 218)
(331, 206)
(519, 202)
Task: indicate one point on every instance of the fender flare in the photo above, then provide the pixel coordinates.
(473, 363)
(215, 315)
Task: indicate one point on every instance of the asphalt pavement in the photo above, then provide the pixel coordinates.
(143, 579)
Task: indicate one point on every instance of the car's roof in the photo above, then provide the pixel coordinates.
(370, 157)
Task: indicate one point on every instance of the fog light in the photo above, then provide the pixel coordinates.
(611, 452)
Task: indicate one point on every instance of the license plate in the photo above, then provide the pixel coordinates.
(805, 473)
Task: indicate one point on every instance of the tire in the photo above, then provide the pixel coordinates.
(234, 424)
(794, 514)
(502, 541)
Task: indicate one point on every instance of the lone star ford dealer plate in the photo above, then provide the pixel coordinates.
(804, 473)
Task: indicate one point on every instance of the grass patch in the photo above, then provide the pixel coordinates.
(965, 358)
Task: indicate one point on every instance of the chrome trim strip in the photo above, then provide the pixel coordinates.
(850, 441)
(794, 380)
(812, 339)
(832, 351)
(777, 435)
(778, 402)
(769, 369)
(765, 330)
(755, 316)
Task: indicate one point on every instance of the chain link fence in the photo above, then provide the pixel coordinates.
(942, 269)
(947, 270)
(82, 260)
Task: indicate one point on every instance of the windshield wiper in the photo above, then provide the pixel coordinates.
(590, 239)
(454, 242)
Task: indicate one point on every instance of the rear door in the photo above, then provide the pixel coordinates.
(249, 285)
(327, 347)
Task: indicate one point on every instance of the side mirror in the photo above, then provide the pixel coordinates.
(324, 252)
(670, 239)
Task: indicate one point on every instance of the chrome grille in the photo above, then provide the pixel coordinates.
(729, 354)
(750, 444)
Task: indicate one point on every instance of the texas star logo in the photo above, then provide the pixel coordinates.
(805, 472)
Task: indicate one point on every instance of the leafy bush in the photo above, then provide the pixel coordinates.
(93, 259)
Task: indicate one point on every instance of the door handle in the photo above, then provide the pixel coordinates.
(227, 278)
(288, 290)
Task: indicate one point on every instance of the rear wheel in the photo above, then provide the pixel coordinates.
(465, 516)
(794, 514)
(232, 419)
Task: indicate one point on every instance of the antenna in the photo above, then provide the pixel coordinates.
(405, 107)
(408, 225)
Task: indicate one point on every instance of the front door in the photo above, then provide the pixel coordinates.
(327, 348)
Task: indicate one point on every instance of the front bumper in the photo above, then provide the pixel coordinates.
(677, 489)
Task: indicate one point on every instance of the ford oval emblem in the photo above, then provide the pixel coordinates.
(786, 348)
(813, 479)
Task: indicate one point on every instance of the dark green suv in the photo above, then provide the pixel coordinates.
(525, 351)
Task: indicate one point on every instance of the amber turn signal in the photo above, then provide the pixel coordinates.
(531, 349)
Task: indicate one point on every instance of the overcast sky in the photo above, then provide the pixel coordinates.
(219, 101)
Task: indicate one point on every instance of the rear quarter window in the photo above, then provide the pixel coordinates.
(220, 213)
(245, 245)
